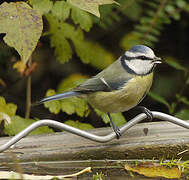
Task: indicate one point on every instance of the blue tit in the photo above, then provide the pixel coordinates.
(119, 87)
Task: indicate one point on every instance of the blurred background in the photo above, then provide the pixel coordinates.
(76, 45)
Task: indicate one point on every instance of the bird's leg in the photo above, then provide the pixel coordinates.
(115, 128)
(146, 111)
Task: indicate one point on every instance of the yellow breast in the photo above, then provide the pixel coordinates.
(122, 99)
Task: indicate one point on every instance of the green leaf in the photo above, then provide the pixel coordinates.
(159, 99)
(117, 118)
(67, 106)
(183, 114)
(53, 106)
(22, 25)
(59, 31)
(61, 10)
(71, 82)
(9, 109)
(103, 115)
(70, 105)
(63, 51)
(79, 125)
(91, 6)
(82, 18)
(173, 63)
(43, 6)
(73, 105)
(18, 124)
(100, 58)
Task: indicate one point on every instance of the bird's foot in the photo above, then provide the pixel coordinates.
(147, 112)
(115, 128)
(117, 131)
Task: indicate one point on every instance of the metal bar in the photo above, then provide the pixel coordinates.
(88, 135)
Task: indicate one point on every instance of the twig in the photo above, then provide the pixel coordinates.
(88, 135)
(28, 93)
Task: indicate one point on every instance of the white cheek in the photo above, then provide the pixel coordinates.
(140, 67)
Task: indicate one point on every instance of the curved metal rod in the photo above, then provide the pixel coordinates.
(88, 135)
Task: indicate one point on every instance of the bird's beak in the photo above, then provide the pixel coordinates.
(157, 60)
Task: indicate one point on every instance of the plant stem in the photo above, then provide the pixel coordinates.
(28, 92)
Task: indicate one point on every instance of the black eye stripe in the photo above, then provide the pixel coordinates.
(139, 57)
(127, 68)
(144, 58)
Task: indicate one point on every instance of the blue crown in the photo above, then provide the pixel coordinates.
(140, 48)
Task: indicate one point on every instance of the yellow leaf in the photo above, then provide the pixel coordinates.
(155, 170)
(22, 25)
(20, 67)
(91, 6)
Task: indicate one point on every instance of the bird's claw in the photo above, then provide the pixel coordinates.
(118, 132)
(147, 112)
(115, 128)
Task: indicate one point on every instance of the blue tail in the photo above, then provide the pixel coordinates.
(58, 96)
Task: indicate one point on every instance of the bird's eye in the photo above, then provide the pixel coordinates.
(143, 57)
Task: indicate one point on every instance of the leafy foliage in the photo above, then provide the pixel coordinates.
(54, 106)
(70, 105)
(156, 15)
(9, 109)
(79, 125)
(179, 97)
(28, 31)
(13, 123)
(82, 18)
(18, 124)
(43, 6)
(6, 111)
(110, 14)
(91, 6)
(61, 10)
(117, 118)
(69, 25)
(26, 27)
(60, 32)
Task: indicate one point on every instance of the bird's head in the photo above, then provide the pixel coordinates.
(141, 59)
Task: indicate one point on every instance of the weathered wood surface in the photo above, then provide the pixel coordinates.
(163, 140)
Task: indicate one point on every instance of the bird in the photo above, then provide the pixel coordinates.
(119, 87)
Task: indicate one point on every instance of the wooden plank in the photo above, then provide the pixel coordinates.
(163, 140)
